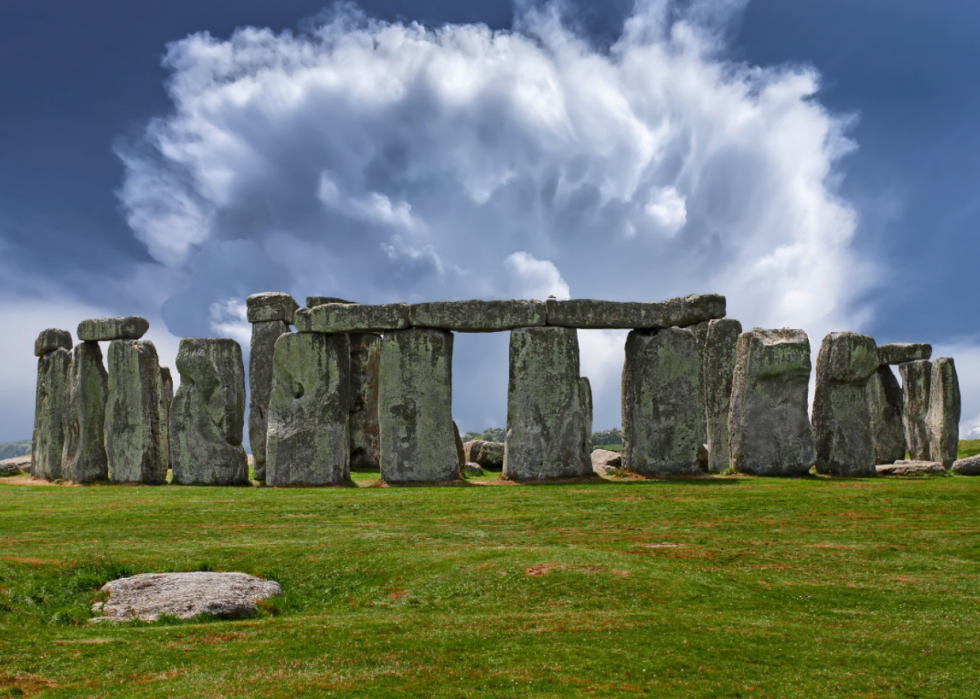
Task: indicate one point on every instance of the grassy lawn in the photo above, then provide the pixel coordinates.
(968, 447)
(724, 587)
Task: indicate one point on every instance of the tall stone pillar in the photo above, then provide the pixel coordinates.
(52, 348)
(415, 406)
(916, 380)
(663, 411)
(365, 426)
(207, 416)
(717, 371)
(548, 430)
(884, 397)
(943, 417)
(166, 401)
(84, 458)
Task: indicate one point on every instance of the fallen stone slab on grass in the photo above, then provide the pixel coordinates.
(107, 329)
(909, 468)
(969, 466)
(183, 595)
(17, 464)
(478, 316)
(901, 352)
(604, 461)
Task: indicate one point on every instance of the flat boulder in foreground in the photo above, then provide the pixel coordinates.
(969, 466)
(909, 468)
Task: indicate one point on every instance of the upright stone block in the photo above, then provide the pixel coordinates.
(717, 371)
(269, 306)
(365, 426)
(166, 401)
(662, 407)
(585, 392)
(135, 436)
(841, 418)
(943, 417)
(260, 360)
(84, 458)
(916, 380)
(547, 425)
(884, 397)
(50, 340)
(309, 411)
(768, 423)
(415, 407)
(51, 411)
(701, 337)
(207, 416)
(460, 455)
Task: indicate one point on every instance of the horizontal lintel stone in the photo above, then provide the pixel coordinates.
(901, 352)
(677, 312)
(271, 305)
(108, 329)
(478, 316)
(314, 301)
(352, 318)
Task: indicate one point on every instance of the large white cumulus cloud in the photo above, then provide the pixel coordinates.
(383, 161)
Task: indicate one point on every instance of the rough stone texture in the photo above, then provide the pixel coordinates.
(884, 396)
(841, 418)
(271, 305)
(108, 329)
(908, 468)
(51, 412)
(166, 402)
(460, 454)
(587, 313)
(477, 316)
(547, 428)
(50, 340)
(488, 454)
(365, 428)
(183, 595)
(662, 408)
(309, 411)
(264, 336)
(415, 406)
(901, 352)
(471, 469)
(134, 435)
(701, 338)
(969, 466)
(84, 458)
(8, 467)
(314, 301)
(916, 380)
(768, 422)
(352, 318)
(943, 417)
(585, 392)
(605, 462)
(717, 371)
(207, 415)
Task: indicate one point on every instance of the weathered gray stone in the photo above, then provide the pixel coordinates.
(916, 379)
(943, 417)
(51, 412)
(309, 411)
(587, 313)
(365, 427)
(166, 401)
(471, 469)
(662, 407)
(477, 316)
(460, 454)
(768, 423)
(969, 466)
(183, 595)
(415, 406)
(108, 329)
(901, 352)
(488, 454)
(207, 416)
(50, 340)
(585, 393)
(547, 428)
(841, 418)
(18, 464)
(269, 306)
(701, 338)
(884, 396)
(605, 462)
(134, 436)
(909, 468)
(260, 357)
(84, 458)
(718, 371)
(352, 318)
(314, 301)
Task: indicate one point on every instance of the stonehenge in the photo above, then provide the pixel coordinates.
(943, 415)
(365, 428)
(717, 372)
(84, 458)
(916, 381)
(884, 396)
(52, 349)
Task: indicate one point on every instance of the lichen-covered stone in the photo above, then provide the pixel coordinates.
(701, 338)
(84, 459)
(489, 455)
(260, 357)
(884, 396)
(108, 329)
(588, 313)
(352, 318)
(134, 434)
(51, 412)
(585, 393)
(969, 466)
(270, 306)
(841, 418)
(916, 380)
(309, 411)
(718, 371)
(768, 423)
(314, 301)
(943, 417)
(415, 407)
(207, 416)
(460, 454)
(909, 468)
(478, 316)
(662, 408)
(50, 340)
(901, 352)
(365, 427)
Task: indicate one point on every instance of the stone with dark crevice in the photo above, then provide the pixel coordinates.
(884, 396)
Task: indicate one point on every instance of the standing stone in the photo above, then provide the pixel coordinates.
(166, 401)
(309, 411)
(547, 424)
(207, 416)
(943, 417)
(415, 407)
(662, 407)
(916, 379)
(701, 337)
(768, 421)
(84, 459)
(260, 358)
(585, 391)
(134, 436)
(884, 397)
(365, 427)
(51, 405)
(50, 340)
(717, 371)
(460, 455)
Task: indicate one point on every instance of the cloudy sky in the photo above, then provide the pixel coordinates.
(814, 161)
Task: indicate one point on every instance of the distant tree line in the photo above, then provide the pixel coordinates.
(613, 436)
(9, 450)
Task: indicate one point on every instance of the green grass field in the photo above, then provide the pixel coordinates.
(723, 587)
